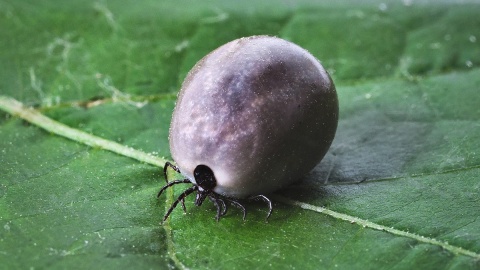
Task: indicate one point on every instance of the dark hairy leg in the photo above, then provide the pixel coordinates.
(175, 168)
(180, 198)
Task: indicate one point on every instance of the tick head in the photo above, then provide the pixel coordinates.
(204, 177)
(206, 182)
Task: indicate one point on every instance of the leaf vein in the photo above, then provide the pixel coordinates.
(368, 224)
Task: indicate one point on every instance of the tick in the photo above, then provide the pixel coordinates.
(253, 116)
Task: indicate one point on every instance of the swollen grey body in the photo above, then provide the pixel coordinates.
(259, 111)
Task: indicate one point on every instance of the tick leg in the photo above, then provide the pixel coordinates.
(183, 206)
(224, 205)
(265, 199)
(220, 204)
(239, 205)
(165, 167)
(221, 200)
(169, 184)
(180, 198)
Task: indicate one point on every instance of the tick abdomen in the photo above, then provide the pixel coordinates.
(259, 111)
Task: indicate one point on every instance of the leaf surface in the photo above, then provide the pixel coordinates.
(399, 188)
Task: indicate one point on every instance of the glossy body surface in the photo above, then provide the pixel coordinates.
(260, 112)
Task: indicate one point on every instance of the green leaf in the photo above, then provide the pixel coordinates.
(399, 188)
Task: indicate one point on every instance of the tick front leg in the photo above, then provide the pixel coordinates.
(166, 166)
